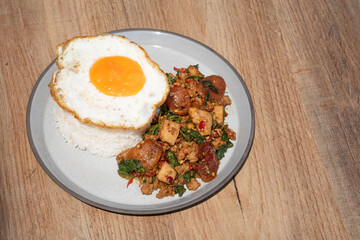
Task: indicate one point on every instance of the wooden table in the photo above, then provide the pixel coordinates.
(301, 62)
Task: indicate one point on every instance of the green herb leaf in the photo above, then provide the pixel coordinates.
(179, 189)
(220, 152)
(216, 125)
(172, 79)
(190, 134)
(163, 110)
(171, 156)
(197, 66)
(207, 95)
(130, 165)
(187, 177)
(154, 129)
(224, 136)
(210, 85)
(173, 117)
(196, 78)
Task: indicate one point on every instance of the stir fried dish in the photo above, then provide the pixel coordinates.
(185, 141)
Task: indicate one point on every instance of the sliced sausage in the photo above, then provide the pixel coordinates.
(206, 148)
(218, 83)
(178, 100)
(207, 168)
(147, 152)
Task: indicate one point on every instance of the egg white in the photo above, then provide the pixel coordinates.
(72, 90)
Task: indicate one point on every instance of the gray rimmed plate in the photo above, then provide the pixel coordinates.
(94, 180)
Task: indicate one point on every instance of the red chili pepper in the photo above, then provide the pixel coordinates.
(166, 160)
(130, 182)
(188, 80)
(202, 126)
(190, 167)
(179, 69)
(217, 133)
(162, 162)
(152, 174)
(226, 114)
(170, 180)
(211, 109)
(162, 144)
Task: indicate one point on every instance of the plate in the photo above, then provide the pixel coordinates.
(94, 180)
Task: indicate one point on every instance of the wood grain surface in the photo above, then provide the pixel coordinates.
(301, 62)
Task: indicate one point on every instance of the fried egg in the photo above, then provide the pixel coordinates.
(108, 81)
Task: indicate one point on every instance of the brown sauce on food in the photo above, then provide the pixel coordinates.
(178, 100)
(186, 141)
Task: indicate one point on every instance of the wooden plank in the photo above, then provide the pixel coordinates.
(283, 146)
(300, 61)
(327, 78)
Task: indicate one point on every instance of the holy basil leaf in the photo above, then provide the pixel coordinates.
(154, 129)
(179, 189)
(224, 136)
(130, 165)
(196, 78)
(210, 85)
(187, 177)
(207, 95)
(216, 125)
(163, 110)
(190, 134)
(220, 152)
(172, 79)
(171, 156)
(173, 117)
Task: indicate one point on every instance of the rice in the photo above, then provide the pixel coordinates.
(97, 140)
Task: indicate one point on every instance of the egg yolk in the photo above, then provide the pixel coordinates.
(117, 76)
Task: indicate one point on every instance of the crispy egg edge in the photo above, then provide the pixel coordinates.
(56, 95)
